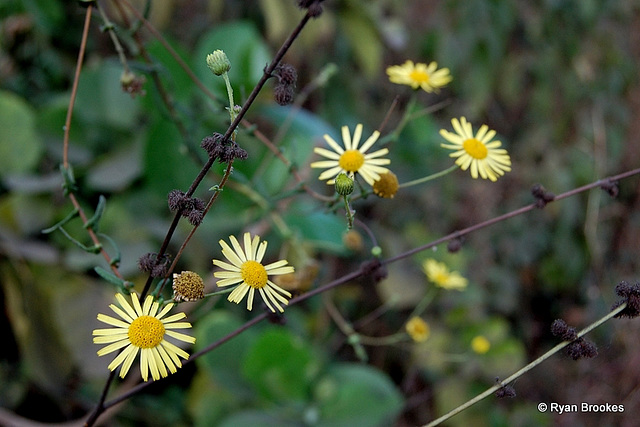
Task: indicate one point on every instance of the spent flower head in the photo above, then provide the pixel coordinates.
(143, 329)
(245, 269)
(438, 273)
(352, 159)
(480, 153)
(187, 286)
(419, 75)
(386, 186)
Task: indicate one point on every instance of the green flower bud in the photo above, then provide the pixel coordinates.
(218, 62)
(344, 184)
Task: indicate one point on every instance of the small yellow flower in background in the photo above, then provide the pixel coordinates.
(419, 75)
(386, 186)
(478, 152)
(247, 271)
(480, 344)
(352, 159)
(417, 329)
(187, 286)
(439, 274)
(144, 329)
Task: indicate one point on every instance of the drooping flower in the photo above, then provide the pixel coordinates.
(247, 272)
(438, 273)
(418, 329)
(419, 75)
(144, 329)
(352, 159)
(479, 152)
(386, 186)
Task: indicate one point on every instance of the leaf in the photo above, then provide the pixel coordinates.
(117, 170)
(361, 31)
(224, 363)
(353, 395)
(280, 366)
(302, 130)
(256, 418)
(320, 229)
(101, 100)
(21, 146)
(165, 165)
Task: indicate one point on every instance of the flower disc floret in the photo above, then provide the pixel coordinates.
(479, 152)
(245, 270)
(352, 158)
(146, 332)
(254, 274)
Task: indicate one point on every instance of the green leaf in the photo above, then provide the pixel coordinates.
(224, 363)
(21, 146)
(101, 100)
(323, 230)
(116, 170)
(165, 165)
(280, 366)
(256, 418)
(361, 30)
(353, 395)
(302, 129)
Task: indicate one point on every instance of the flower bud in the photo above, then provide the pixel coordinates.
(218, 62)
(344, 184)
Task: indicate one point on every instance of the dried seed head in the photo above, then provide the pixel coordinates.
(187, 286)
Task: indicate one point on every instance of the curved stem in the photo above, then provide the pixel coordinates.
(428, 177)
(525, 369)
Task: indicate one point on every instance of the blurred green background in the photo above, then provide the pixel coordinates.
(558, 81)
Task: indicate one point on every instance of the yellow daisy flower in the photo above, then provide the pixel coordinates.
(418, 329)
(247, 270)
(480, 344)
(478, 152)
(438, 273)
(424, 76)
(352, 159)
(143, 328)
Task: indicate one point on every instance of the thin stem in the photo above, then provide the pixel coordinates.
(360, 271)
(525, 369)
(428, 177)
(508, 215)
(100, 407)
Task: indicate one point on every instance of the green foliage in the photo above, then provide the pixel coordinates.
(556, 80)
(21, 147)
(288, 379)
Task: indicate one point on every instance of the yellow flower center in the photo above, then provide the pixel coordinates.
(146, 332)
(254, 274)
(441, 278)
(419, 76)
(351, 160)
(475, 148)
